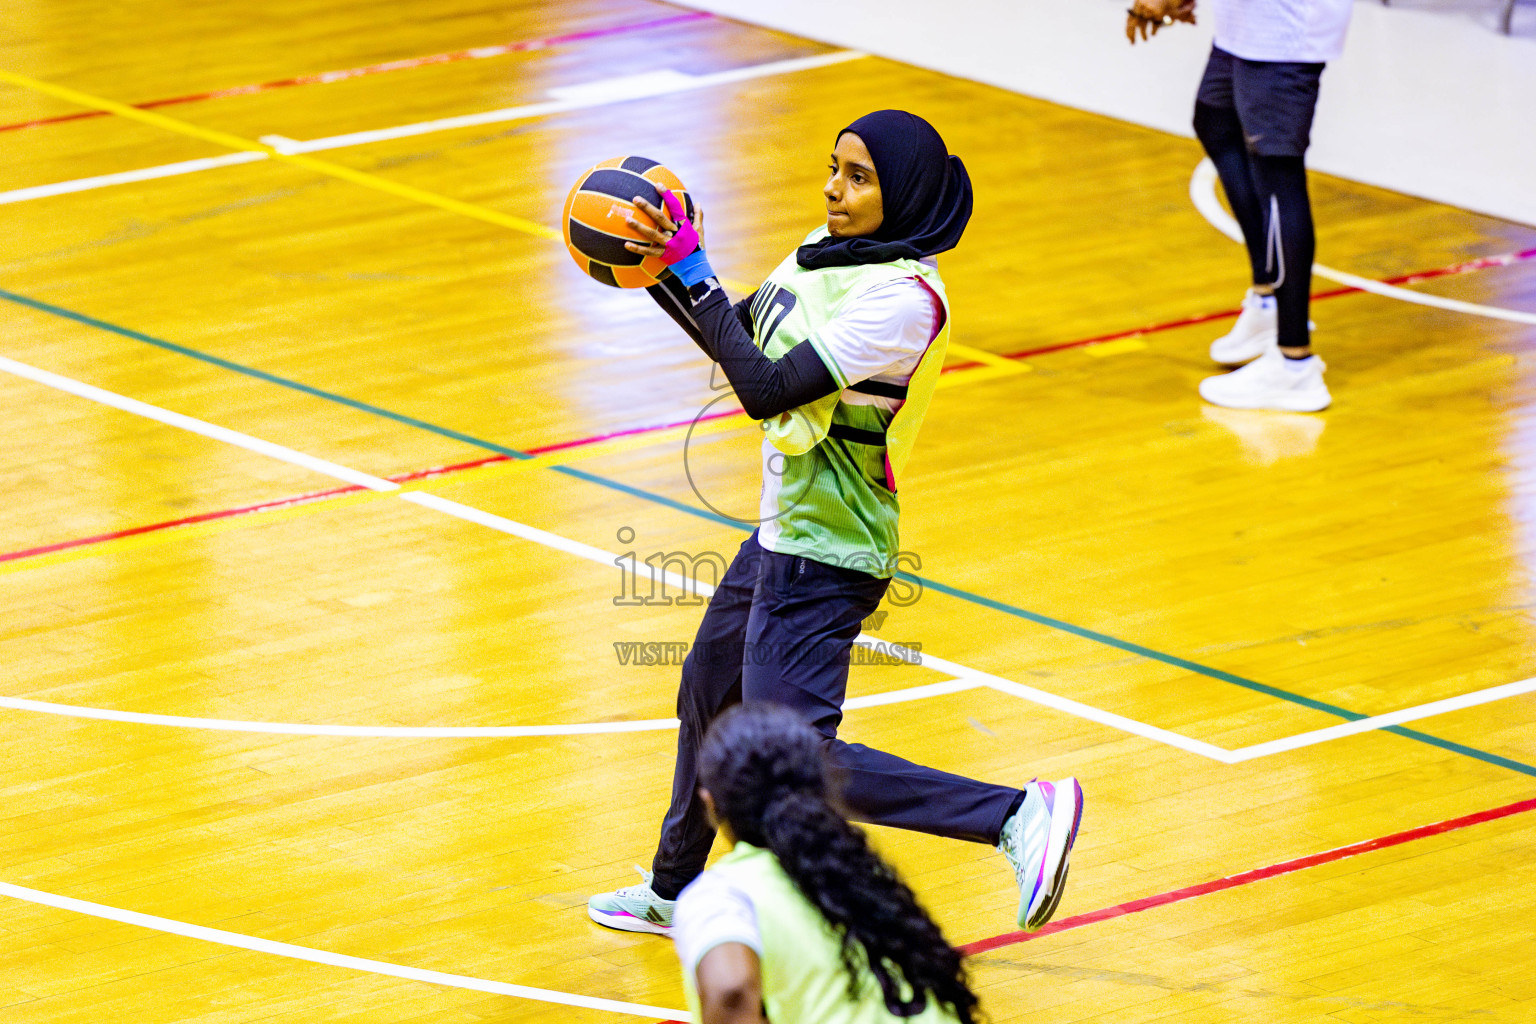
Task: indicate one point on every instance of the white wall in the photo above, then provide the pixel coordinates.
(1424, 102)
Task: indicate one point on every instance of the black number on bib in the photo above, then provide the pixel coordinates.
(781, 299)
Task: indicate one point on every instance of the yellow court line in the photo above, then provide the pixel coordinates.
(991, 359)
(998, 365)
(319, 166)
(978, 374)
(993, 364)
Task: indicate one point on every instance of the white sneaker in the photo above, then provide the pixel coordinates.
(1257, 329)
(1269, 383)
(1037, 840)
(633, 909)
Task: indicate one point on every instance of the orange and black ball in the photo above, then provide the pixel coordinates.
(595, 213)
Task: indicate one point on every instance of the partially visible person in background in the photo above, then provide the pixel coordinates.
(801, 920)
(1253, 115)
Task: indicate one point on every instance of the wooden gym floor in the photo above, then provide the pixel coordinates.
(1124, 584)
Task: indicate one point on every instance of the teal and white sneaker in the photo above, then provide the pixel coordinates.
(1037, 840)
(634, 909)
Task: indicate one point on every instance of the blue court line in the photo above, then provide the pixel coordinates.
(644, 495)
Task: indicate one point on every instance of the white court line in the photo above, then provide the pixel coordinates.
(1202, 192)
(1333, 732)
(961, 672)
(880, 700)
(542, 537)
(577, 97)
(965, 678)
(626, 87)
(21, 195)
(176, 419)
(302, 729)
(320, 956)
(1072, 707)
(903, 696)
(592, 554)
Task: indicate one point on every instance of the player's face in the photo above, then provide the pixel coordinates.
(852, 191)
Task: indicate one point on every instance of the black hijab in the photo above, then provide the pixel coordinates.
(925, 191)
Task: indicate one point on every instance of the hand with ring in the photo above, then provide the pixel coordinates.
(1147, 16)
(676, 239)
(665, 228)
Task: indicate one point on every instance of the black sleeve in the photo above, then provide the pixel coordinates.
(672, 296)
(744, 313)
(765, 387)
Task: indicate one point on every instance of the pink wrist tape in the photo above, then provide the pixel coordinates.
(686, 241)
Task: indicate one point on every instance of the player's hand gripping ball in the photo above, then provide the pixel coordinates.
(600, 203)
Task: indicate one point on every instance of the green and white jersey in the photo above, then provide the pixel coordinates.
(746, 897)
(830, 467)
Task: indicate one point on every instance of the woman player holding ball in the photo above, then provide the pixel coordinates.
(838, 354)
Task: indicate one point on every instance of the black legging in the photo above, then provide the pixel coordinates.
(1268, 195)
(779, 630)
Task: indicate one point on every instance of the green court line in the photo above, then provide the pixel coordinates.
(965, 595)
(351, 403)
(1215, 673)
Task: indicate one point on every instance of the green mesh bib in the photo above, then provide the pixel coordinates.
(803, 977)
(830, 469)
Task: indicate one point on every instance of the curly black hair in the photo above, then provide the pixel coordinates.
(765, 768)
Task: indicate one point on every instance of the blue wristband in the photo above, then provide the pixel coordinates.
(693, 268)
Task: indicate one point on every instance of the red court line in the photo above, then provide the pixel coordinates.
(1248, 877)
(1482, 263)
(326, 77)
(457, 467)
(580, 441)
(229, 513)
(438, 471)
(266, 506)
(304, 499)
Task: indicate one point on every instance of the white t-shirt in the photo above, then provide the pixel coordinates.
(1302, 31)
(711, 912)
(881, 336)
